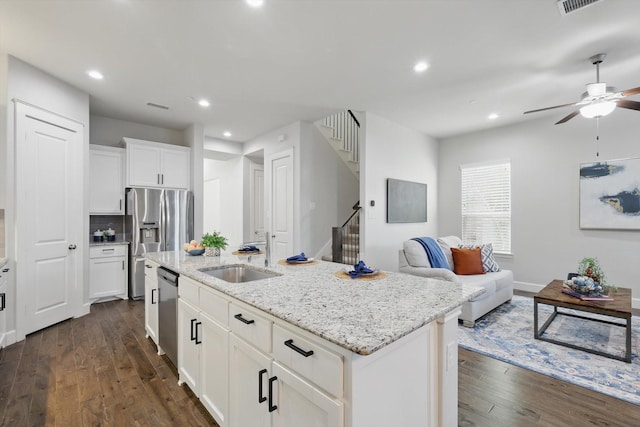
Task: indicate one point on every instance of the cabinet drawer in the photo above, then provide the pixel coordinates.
(323, 367)
(188, 290)
(214, 306)
(107, 251)
(250, 326)
(151, 271)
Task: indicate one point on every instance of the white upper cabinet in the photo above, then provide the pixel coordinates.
(151, 164)
(106, 165)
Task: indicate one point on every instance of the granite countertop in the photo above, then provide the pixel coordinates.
(3, 262)
(359, 315)
(120, 240)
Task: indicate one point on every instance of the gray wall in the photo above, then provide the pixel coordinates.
(108, 131)
(394, 151)
(546, 239)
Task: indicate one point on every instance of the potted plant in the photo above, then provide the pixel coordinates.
(213, 243)
(590, 267)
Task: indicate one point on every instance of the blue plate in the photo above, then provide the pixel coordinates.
(195, 252)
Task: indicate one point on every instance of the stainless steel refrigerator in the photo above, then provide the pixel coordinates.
(156, 220)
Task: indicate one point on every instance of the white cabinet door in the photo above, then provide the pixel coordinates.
(107, 277)
(151, 301)
(106, 188)
(249, 385)
(174, 168)
(301, 404)
(214, 369)
(143, 166)
(189, 345)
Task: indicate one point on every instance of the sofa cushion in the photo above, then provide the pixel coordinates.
(483, 281)
(415, 253)
(446, 243)
(489, 263)
(467, 261)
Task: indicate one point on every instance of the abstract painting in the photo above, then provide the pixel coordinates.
(610, 195)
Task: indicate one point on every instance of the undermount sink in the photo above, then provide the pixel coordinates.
(238, 273)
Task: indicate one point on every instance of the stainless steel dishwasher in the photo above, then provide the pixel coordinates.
(168, 313)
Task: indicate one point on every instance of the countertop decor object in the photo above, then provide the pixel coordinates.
(309, 261)
(213, 243)
(195, 252)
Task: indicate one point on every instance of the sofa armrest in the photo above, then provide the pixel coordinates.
(432, 273)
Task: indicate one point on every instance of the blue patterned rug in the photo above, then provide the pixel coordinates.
(507, 334)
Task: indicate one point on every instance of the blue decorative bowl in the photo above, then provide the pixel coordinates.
(195, 252)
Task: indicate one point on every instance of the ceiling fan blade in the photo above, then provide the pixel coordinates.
(630, 92)
(549, 108)
(569, 117)
(627, 103)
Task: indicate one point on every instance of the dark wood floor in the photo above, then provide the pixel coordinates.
(100, 370)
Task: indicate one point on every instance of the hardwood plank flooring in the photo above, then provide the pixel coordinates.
(100, 370)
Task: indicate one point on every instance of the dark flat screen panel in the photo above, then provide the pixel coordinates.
(406, 201)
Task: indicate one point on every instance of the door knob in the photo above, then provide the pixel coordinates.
(72, 247)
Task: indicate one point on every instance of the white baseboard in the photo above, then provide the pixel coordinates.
(7, 338)
(535, 288)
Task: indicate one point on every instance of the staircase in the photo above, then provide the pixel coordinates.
(342, 133)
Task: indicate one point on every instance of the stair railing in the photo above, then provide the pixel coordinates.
(345, 244)
(347, 128)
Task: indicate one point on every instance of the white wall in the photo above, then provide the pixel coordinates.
(31, 85)
(108, 131)
(4, 64)
(328, 190)
(229, 174)
(194, 138)
(546, 240)
(393, 151)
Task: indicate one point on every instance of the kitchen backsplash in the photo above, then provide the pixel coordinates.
(103, 222)
(2, 243)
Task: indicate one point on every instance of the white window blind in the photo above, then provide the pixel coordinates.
(486, 204)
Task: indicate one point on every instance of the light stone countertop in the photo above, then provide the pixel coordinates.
(359, 315)
(119, 241)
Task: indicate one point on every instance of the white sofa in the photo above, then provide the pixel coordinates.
(498, 286)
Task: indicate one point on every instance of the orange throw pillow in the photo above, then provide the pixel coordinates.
(467, 261)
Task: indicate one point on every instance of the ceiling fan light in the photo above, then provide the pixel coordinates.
(597, 109)
(596, 89)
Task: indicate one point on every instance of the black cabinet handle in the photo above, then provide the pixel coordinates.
(153, 294)
(291, 345)
(193, 333)
(261, 398)
(243, 320)
(4, 270)
(3, 301)
(198, 340)
(272, 407)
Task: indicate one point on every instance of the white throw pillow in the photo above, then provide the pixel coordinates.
(415, 253)
(446, 243)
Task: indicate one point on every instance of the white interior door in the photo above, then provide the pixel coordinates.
(212, 201)
(257, 202)
(49, 212)
(282, 204)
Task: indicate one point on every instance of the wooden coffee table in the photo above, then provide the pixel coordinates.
(619, 308)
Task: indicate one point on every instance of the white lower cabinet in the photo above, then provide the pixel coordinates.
(108, 271)
(251, 369)
(251, 396)
(203, 347)
(151, 301)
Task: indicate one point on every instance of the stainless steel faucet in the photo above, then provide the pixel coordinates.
(267, 251)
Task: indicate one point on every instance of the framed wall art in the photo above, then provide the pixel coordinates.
(610, 195)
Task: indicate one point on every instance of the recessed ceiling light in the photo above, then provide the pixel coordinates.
(255, 3)
(95, 74)
(227, 133)
(204, 103)
(493, 116)
(420, 67)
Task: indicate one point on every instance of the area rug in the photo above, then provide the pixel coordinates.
(507, 334)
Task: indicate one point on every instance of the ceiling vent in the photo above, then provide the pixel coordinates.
(569, 6)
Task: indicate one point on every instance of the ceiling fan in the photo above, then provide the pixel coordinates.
(599, 99)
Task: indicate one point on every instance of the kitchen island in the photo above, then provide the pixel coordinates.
(385, 350)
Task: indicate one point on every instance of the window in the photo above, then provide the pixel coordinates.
(486, 204)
